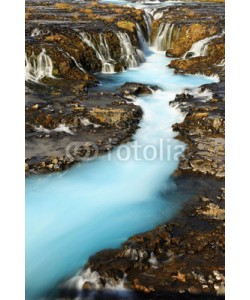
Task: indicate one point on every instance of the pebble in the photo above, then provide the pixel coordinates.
(221, 290)
(193, 290)
(217, 275)
(36, 106)
(54, 161)
(42, 164)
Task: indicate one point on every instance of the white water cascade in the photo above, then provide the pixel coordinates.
(148, 21)
(38, 67)
(78, 65)
(101, 50)
(129, 55)
(76, 282)
(36, 32)
(142, 41)
(200, 48)
(163, 38)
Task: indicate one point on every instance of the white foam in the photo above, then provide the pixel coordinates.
(153, 260)
(40, 128)
(38, 67)
(63, 128)
(86, 122)
(200, 48)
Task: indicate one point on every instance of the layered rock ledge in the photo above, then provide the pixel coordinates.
(62, 131)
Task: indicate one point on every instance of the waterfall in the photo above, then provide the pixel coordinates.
(142, 41)
(76, 282)
(37, 31)
(38, 68)
(71, 58)
(148, 21)
(163, 38)
(200, 48)
(102, 51)
(129, 56)
(170, 34)
(140, 56)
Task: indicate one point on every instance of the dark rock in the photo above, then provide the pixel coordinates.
(136, 89)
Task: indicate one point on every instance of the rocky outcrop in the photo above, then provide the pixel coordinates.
(176, 29)
(130, 89)
(63, 131)
(203, 129)
(75, 40)
(210, 64)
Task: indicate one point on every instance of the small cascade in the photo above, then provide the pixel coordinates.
(76, 63)
(222, 63)
(200, 48)
(142, 41)
(170, 35)
(77, 282)
(105, 53)
(92, 278)
(140, 55)
(163, 38)
(129, 55)
(79, 66)
(37, 32)
(38, 67)
(148, 21)
(102, 51)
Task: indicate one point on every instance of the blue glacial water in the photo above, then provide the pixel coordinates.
(99, 204)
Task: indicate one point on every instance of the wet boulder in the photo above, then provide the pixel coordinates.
(136, 89)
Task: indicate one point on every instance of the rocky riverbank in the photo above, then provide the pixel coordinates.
(184, 258)
(62, 131)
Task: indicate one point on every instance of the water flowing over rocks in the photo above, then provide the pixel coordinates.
(130, 89)
(180, 26)
(67, 44)
(74, 40)
(184, 258)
